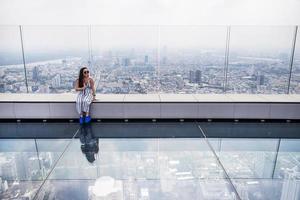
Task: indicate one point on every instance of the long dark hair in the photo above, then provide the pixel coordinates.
(80, 79)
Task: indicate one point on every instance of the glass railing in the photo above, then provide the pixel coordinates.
(151, 59)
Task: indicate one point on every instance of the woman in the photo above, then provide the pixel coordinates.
(86, 87)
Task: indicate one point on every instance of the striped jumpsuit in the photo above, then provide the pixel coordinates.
(84, 99)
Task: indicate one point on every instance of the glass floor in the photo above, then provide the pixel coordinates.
(145, 161)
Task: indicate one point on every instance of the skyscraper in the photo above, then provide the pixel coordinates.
(35, 74)
(164, 60)
(56, 81)
(290, 187)
(126, 62)
(146, 59)
(2, 87)
(198, 76)
(192, 77)
(195, 76)
(260, 80)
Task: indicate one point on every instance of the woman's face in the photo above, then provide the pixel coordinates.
(86, 73)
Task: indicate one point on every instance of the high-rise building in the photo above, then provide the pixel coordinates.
(2, 73)
(5, 186)
(126, 62)
(198, 76)
(35, 74)
(164, 60)
(8, 169)
(1, 185)
(290, 187)
(260, 80)
(195, 76)
(2, 87)
(146, 59)
(192, 77)
(56, 81)
(43, 89)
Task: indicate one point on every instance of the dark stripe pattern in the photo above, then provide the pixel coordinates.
(84, 99)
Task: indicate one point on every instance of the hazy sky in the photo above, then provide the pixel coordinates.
(150, 12)
(116, 15)
(69, 38)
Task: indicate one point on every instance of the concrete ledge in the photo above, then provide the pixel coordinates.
(227, 106)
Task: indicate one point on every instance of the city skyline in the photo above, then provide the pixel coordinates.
(116, 56)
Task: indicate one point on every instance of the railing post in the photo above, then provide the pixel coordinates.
(292, 59)
(23, 56)
(226, 59)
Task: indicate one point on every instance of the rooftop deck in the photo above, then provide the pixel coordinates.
(153, 106)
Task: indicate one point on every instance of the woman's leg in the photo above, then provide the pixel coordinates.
(86, 104)
(78, 102)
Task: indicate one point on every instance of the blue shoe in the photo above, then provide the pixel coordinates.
(81, 119)
(88, 119)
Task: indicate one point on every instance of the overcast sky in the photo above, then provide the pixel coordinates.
(134, 23)
(153, 12)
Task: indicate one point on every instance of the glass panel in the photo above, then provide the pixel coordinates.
(288, 165)
(24, 163)
(187, 159)
(20, 170)
(247, 158)
(295, 79)
(54, 55)
(138, 158)
(267, 189)
(19, 160)
(259, 59)
(12, 76)
(126, 57)
(37, 130)
(139, 168)
(257, 171)
(109, 188)
(192, 59)
(49, 151)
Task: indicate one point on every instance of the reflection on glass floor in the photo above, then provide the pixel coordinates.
(89, 167)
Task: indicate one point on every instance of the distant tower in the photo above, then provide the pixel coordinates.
(195, 76)
(260, 80)
(126, 62)
(35, 74)
(164, 54)
(198, 76)
(192, 77)
(164, 60)
(64, 62)
(56, 81)
(146, 59)
(252, 71)
(2, 87)
(290, 187)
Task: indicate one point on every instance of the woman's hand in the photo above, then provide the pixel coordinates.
(84, 86)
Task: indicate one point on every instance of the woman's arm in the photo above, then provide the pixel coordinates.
(77, 88)
(93, 87)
